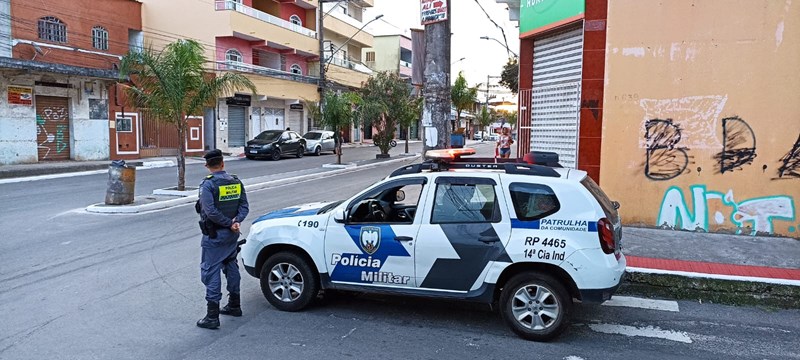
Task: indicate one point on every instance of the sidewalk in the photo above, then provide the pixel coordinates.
(722, 268)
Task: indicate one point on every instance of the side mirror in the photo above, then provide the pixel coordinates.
(339, 215)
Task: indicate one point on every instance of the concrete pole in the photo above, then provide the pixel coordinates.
(436, 86)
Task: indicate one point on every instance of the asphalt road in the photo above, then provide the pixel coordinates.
(75, 285)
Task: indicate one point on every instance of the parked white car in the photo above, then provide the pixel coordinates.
(319, 141)
(527, 238)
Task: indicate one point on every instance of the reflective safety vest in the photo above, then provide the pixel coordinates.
(227, 196)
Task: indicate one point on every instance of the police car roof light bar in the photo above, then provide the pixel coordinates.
(508, 168)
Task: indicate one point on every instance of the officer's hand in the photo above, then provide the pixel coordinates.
(235, 227)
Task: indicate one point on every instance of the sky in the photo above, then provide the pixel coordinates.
(469, 23)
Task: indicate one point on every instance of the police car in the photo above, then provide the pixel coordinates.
(527, 238)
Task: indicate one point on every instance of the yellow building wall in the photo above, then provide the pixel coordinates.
(701, 122)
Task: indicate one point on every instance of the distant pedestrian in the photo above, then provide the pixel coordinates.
(504, 144)
(288, 128)
(222, 206)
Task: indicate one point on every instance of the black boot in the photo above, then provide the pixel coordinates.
(211, 321)
(234, 307)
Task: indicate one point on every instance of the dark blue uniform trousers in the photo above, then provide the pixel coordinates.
(219, 254)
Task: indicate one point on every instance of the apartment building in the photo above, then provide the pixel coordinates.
(58, 61)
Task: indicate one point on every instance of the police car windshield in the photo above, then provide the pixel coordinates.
(312, 136)
(269, 135)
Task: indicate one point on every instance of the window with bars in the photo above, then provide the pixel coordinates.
(52, 29)
(100, 38)
(296, 69)
(233, 55)
(370, 56)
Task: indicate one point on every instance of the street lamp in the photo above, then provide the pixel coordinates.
(501, 44)
(463, 58)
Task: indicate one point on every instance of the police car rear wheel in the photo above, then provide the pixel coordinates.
(288, 282)
(535, 306)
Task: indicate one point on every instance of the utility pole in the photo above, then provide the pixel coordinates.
(436, 87)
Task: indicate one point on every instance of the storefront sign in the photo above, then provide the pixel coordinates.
(238, 100)
(433, 11)
(298, 107)
(20, 95)
(536, 14)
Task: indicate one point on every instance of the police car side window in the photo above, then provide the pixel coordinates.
(533, 201)
(465, 203)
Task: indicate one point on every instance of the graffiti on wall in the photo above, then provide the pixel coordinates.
(738, 145)
(53, 138)
(755, 214)
(665, 158)
(790, 163)
(675, 127)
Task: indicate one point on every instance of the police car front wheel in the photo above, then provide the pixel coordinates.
(535, 306)
(288, 282)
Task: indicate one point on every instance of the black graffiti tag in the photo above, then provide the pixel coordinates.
(665, 159)
(790, 166)
(738, 145)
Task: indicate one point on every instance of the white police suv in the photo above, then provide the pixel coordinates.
(528, 238)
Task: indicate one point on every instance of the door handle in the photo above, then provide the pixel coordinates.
(488, 239)
(403, 238)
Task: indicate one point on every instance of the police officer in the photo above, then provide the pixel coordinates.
(222, 205)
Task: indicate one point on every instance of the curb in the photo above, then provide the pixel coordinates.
(101, 208)
(757, 292)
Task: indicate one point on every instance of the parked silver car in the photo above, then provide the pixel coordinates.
(319, 141)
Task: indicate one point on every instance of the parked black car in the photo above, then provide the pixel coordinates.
(273, 144)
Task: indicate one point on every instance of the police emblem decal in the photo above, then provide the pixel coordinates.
(370, 239)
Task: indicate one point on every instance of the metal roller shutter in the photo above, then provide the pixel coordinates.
(555, 115)
(52, 128)
(236, 126)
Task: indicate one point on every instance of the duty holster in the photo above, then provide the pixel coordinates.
(208, 228)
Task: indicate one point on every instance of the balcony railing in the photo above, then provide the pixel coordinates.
(274, 20)
(349, 64)
(347, 18)
(265, 71)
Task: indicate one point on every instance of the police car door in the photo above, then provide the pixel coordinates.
(463, 233)
(374, 246)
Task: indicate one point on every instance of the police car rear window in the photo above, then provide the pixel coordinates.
(605, 202)
(533, 201)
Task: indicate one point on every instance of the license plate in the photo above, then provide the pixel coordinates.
(253, 151)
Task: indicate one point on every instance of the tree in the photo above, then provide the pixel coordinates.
(511, 119)
(386, 101)
(339, 113)
(172, 84)
(410, 115)
(509, 77)
(484, 119)
(314, 111)
(463, 96)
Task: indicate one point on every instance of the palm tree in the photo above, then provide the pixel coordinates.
(484, 119)
(172, 84)
(463, 96)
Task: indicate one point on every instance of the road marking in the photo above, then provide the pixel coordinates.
(51, 176)
(572, 357)
(634, 302)
(650, 332)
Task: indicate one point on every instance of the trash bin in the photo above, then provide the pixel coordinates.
(121, 183)
(456, 140)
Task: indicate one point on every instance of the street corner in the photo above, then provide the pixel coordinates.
(143, 204)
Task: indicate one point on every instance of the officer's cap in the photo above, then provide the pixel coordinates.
(213, 154)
